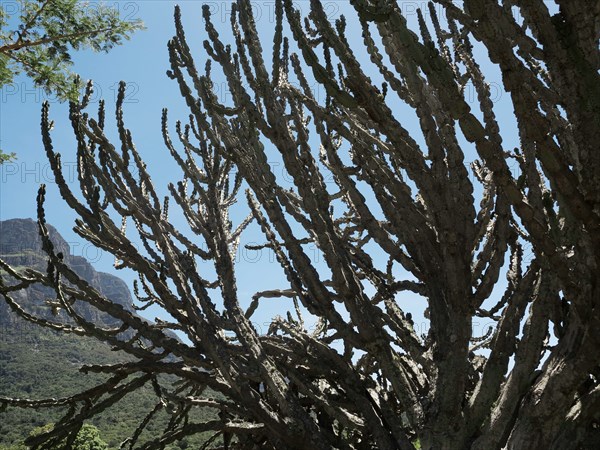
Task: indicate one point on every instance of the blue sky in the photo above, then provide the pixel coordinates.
(142, 63)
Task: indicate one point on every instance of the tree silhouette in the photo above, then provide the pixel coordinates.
(402, 219)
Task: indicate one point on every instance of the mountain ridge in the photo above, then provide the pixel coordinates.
(21, 247)
(36, 362)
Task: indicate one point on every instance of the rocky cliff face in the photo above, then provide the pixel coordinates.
(20, 246)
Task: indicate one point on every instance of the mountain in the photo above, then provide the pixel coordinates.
(21, 247)
(36, 362)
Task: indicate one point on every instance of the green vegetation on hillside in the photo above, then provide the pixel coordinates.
(37, 363)
(88, 438)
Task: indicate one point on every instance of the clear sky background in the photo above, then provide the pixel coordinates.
(142, 63)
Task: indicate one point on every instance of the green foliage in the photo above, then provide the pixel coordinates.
(41, 430)
(88, 438)
(38, 363)
(39, 38)
(6, 157)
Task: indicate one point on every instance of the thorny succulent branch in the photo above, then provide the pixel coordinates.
(403, 215)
